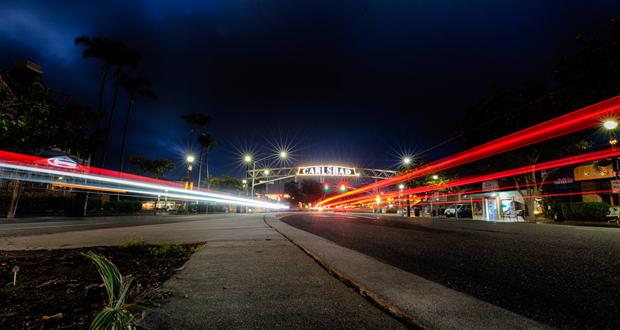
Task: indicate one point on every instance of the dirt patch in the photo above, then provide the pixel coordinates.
(50, 282)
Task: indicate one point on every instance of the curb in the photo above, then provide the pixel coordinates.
(418, 302)
(386, 306)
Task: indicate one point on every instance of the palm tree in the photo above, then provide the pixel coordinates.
(99, 48)
(135, 87)
(207, 143)
(193, 120)
(121, 57)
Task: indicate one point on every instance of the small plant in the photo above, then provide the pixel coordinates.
(167, 249)
(131, 244)
(116, 314)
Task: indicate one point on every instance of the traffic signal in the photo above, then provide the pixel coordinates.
(326, 187)
(343, 188)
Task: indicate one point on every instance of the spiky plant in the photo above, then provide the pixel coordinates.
(116, 315)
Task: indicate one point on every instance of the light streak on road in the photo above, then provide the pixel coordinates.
(588, 157)
(584, 118)
(122, 181)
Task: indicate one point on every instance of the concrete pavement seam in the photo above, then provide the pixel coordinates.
(377, 301)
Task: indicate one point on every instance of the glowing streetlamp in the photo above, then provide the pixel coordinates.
(407, 160)
(401, 186)
(190, 161)
(249, 159)
(435, 177)
(610, 124)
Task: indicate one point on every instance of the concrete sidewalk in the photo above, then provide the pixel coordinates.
(251, 277)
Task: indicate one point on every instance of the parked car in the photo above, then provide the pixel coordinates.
(463, 211)
(614, 214)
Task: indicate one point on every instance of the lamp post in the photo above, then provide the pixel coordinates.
(190, 162)
(401, 187)
(611, 125)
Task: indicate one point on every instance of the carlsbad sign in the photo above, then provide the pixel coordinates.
(326, 170)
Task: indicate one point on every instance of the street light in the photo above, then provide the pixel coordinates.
(407, 160)
(435, 177)
(247, 158)
(401, 187)
(190, 161)
(610, 124)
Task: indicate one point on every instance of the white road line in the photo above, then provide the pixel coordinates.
(56, 226)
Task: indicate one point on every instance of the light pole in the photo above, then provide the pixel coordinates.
(401, 187)
(190, 162)
(611, 125)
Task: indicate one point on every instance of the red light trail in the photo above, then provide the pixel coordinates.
(587, 117)
(502, 174)
(57, 171)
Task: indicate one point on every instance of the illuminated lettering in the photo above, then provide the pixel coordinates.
(326, 170)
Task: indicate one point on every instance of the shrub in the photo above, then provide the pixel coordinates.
(123, 206)
(94, 204)
(584, 211)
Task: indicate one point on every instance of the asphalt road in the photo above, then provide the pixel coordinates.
(563, 276)
(39, 226)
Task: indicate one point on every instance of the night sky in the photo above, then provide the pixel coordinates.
(352, 82)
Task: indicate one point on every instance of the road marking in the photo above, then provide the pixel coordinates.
(56, 226)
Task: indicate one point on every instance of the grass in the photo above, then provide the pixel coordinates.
(162, 250)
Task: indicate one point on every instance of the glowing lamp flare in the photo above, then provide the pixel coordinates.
(610, 124)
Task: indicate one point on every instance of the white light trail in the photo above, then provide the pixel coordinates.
(160, 190)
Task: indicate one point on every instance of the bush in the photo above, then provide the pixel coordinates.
(45, 204)
(202, 208)
(123, 206)
(584, 211)
(94, 204)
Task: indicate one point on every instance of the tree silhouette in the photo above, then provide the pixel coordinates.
(135, 87)
(207, 143)
(200, 121)
(120, 57)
